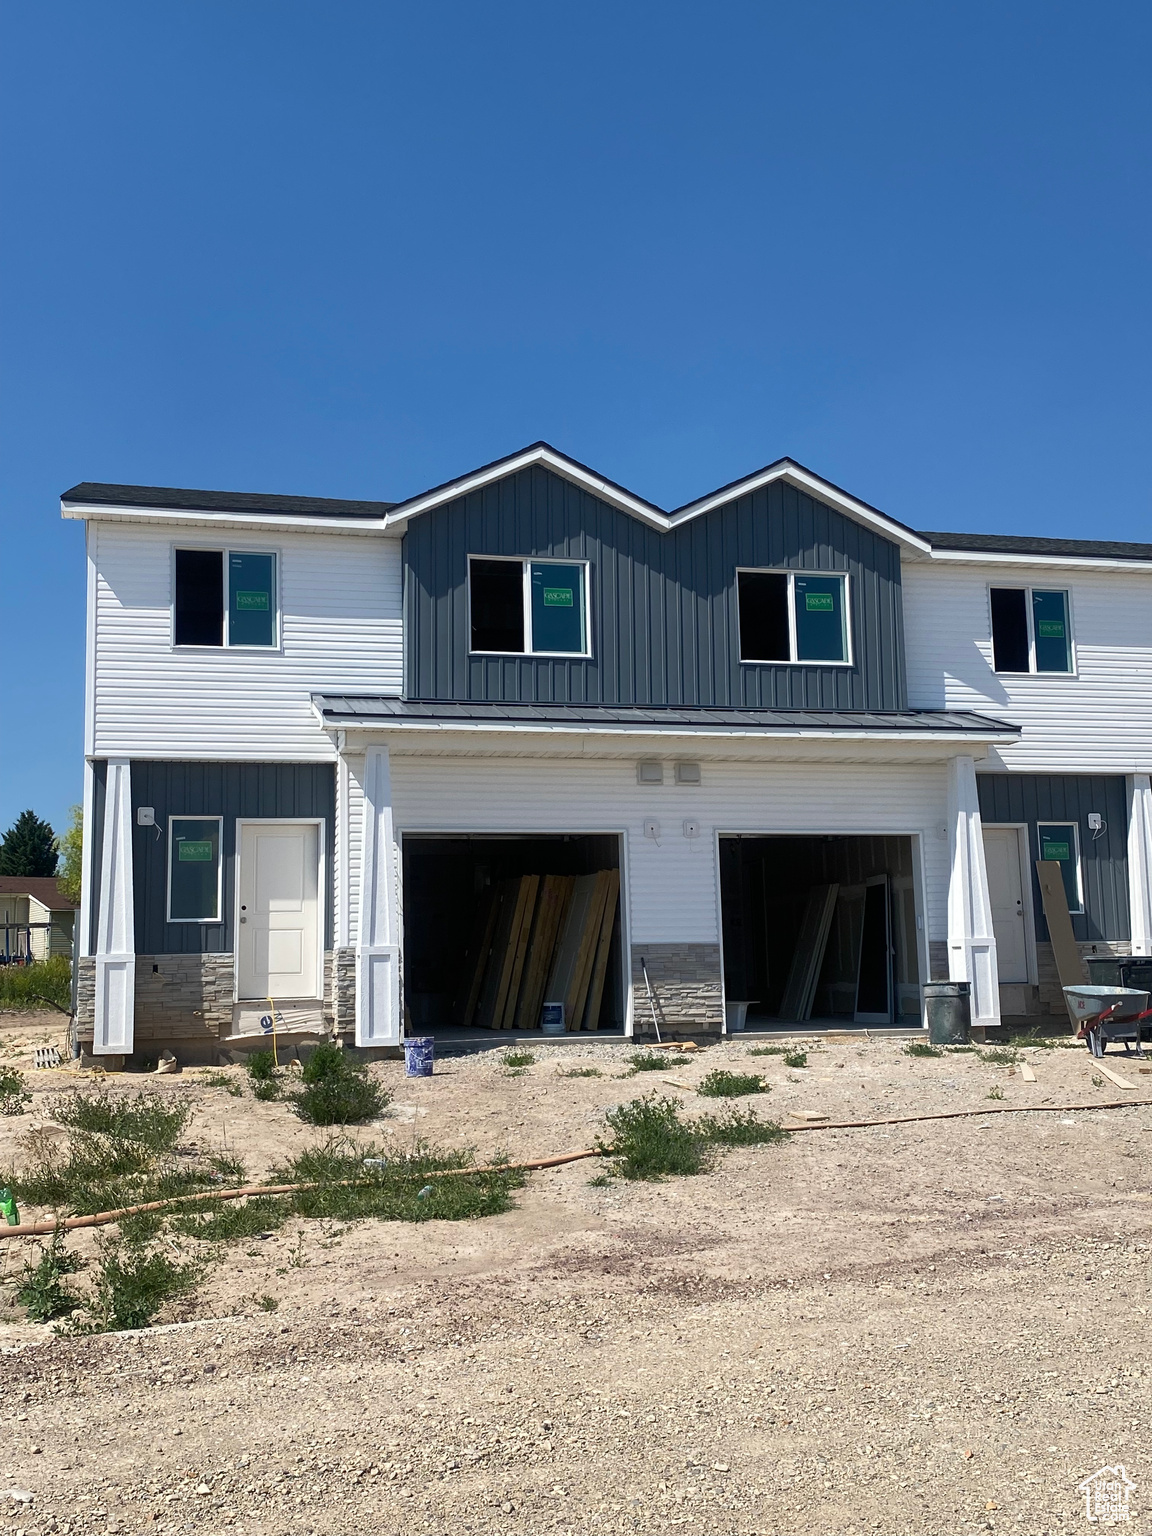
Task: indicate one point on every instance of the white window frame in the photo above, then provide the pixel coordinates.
(770, 570)
(225, 551)
(1075, 840)
(1002, 586)
(193, 816)
(527, 562)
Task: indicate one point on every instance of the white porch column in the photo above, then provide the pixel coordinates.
(115, 924)
(971, 938)
(378, 934)
(1140, 861)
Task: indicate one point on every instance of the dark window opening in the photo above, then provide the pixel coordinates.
(497, 601)
(1009, 629)
(763, 600)
(199, 615)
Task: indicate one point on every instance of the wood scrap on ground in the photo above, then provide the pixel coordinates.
(1027, 1073)
(1113, 1077)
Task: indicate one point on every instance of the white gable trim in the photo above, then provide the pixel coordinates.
(568, 468)
(84, 511)
(624, 501)
(812, 485)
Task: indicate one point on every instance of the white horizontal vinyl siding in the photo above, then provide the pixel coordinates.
(340, 627)
(1099, 721)
(672, 885)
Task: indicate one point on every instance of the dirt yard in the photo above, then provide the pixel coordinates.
(926, 1328)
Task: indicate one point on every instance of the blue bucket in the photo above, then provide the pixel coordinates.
(419, 1054)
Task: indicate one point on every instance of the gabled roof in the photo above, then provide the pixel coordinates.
(44, 889)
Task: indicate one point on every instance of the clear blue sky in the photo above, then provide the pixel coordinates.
(353, 249)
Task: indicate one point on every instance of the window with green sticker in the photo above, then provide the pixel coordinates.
(792, 616)
(194, 869)
(1050, 623)
(558, 608)
(1031, 630)
(1059, 843)
(533, 607)
(251, 598)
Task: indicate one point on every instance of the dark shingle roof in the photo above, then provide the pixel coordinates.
(1014, 544)
(45, 889)
(338, 708)
(98, 495)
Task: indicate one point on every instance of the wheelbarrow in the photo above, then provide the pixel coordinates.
(1105, 1014)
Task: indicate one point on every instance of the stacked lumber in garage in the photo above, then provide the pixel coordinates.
(541, 939)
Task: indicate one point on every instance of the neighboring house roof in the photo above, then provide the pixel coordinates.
(142, 501)
(44, 889)
(349, 709)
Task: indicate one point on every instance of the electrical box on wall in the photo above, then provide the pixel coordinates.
(652, 829)
(145, 816)
(691, 829)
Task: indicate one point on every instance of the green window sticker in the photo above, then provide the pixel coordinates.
(819, 602)
(194, 853)
(1050, 629)
(557, 597)
(254, 602)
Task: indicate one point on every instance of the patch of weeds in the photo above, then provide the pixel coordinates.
(581, 1072)
(1042, 1042)
(337, 1090)
(959, 1050)
(230, 1169)
(601, 1181)
(41, 1292)
(731, 1085)
(261, 1066)
(795, 1058)
(922, 1048)
(995, 1093)
(517, 1061)
(13, 1092)
(267, 1303)
(648, 1061)
(218, 1080)
(768, 1050)
(31, 986)
(1000, 1056)
(132, 1286)
(1097, 1082)
(266, 1089)
(145, 1119)
(740, 1128)
(650, 1140)
(231, 1221)
(347, 1190)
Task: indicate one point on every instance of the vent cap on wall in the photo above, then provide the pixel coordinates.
(650, 771)
(687, 773)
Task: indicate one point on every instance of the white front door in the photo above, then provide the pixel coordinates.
(1006, 896)
(278, 941)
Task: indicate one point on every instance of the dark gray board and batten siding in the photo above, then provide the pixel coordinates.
(665, 627)
(1037, 797)
(230, 790)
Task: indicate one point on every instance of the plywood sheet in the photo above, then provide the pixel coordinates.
(603, 949)
(796, 1004)
(555, 893)
(1069, 966)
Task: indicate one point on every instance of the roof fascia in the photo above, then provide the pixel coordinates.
(804, 480)
(1006, 557)
(81, 511)
(539, 453)
(791, 733)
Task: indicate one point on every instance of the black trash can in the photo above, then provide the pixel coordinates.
(948, 1005)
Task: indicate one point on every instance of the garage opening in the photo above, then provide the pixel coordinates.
(496, 928)
(821, 929)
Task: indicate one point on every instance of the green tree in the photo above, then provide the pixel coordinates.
(71, 850)
(28, 847)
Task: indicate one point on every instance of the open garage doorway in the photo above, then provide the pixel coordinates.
(495, 927)
(821, 929)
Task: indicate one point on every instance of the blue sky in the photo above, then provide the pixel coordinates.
(354, 249)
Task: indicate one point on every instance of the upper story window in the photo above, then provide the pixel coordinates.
(528, 607)
(225, 597)
(793, 616)
(1030, 630)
